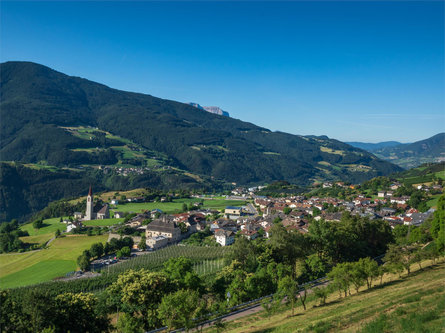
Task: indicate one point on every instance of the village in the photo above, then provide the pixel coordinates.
(153, 229)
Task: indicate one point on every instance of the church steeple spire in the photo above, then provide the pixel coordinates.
(89, 214)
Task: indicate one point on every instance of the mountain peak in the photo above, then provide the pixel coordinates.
(211, 109)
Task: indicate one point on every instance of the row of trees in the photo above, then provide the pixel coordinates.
(120, 246)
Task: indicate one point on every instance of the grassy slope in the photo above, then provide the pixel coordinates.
(50, 227)
(104, 222)
(176, 205)
(414, 303)
(42, 235)
(20, 269)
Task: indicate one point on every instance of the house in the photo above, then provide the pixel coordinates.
(114, 202)
(164, 227)
(419, 218)
(333, 217)
(73, 225)
(387, 211)
(232, 211)
(250, 234)
(381, 194)
(77, 215)
(118, 215)
(411, 211)
(157, 242)
(267, 231)
(224, 237)
(402, 200)
(155, 213)
(136, 199)
(134, 224)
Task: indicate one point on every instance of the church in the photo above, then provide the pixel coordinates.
(93, 212)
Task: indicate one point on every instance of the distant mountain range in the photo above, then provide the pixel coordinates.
(374, 146)
(52, 119)
(408, 155)
(211, 109)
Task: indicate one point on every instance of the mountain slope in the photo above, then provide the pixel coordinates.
(36, 102)
(410, 155)
(27, 189)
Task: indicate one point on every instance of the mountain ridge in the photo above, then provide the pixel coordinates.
(409, 155)
(373, 146)
(36, 101)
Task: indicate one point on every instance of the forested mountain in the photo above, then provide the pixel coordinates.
(410, 155)
(36, 102)
(26, 189)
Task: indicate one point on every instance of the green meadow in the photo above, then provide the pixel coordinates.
(42, 235)
(102, 223)
(20, 269)
(49, 226)
(176, 205)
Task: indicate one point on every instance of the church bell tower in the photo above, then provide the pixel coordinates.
(89, 210)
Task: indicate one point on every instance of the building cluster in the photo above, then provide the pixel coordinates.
(256, 220)
(123, 171)
(295, 213)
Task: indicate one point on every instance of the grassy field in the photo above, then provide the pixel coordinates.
(102, 223)
(37, 239)
(414, 303)
(42, 235)
(19, 269)
(49, 227)
(176, 205)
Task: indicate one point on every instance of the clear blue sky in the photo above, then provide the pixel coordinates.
(355, 71)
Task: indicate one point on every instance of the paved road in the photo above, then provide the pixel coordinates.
(255, 308)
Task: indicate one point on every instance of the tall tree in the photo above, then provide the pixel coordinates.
(177, 310)
(288, 290)
(139, 294)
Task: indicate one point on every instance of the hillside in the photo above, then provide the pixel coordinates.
(39, 104)
(412, 303)
(28, 188)
(410, 155)
(423, 174)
